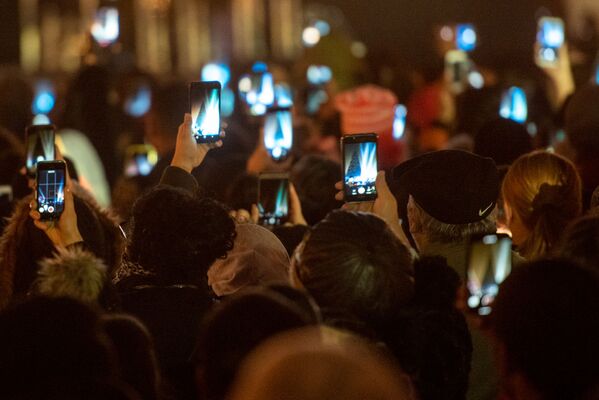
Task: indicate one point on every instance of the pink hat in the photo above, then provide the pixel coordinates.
(258, 258)
(366, 109)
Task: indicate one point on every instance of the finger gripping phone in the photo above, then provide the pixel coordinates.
(50, 187)
(489, 264)
(204, 101)
(273, 199)
(278, 133)
(40, 146)
(360, 166)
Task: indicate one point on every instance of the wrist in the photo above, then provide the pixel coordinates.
(70, 238)
(186, 166)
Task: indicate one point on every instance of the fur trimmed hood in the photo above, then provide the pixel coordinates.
(73, 273)
(22, 245)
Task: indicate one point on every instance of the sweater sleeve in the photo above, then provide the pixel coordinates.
(175, 176)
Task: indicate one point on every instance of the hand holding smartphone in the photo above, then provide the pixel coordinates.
(489, 264)
(273, 199)
(360, 167)
(40, 146)
(204, 101)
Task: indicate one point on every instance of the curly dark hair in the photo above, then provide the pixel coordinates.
(177, 236)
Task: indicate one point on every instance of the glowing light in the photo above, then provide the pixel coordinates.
(323, 27)
(258, 109)
(466, 37)
(549, 54)
(278, 133)
(399, 123)
(514, 105)
(105, 28)
(367, 163)
(283, 95)
(206, 115)
(597, 74)
(282, 201)
(319, 74)
(315, 100)
(216, 72)
(245, 84)
(446, 33)
(311, 36)
(259, 67)
(266, 95)
(552, 33)
(41, 119)
(358, 49)
(476, 80)
(44, 99)
(227, 102)
(139, 104)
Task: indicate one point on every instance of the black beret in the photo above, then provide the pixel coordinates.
(452, 186)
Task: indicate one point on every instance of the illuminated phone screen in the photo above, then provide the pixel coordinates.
(273, 203)
(490, 262)
(205, 111)
(40, 146)
(360, 170)
(278, 134)
(50, 192)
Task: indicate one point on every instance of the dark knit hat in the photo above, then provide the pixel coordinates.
(454, 187)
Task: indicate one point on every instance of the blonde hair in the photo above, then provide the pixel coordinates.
(544, 190)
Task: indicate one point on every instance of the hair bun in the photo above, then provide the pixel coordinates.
(549, 196)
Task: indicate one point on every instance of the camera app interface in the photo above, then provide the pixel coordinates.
(50, 196)
(278, 134)
(360, 169)
(274, 201)
(490, 264)
(205, 112)
(40, 147)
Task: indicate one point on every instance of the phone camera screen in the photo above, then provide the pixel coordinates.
(274, 201)
(278, 134)
(205, 112)
(552, 34)
(40, 147)
(50, 192)
(360, 165)
(490, 263)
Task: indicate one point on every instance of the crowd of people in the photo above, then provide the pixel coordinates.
(165, 286)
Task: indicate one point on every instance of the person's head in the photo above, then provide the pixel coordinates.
(135, 352)
(503, 140)
(542, 194)
(354, 267)
(301, 365)
(177, 236)
(580, 241)
(546, 330)
(448, 196)
(238, 326)
(582, 122)
(48, 342)
(169, 103)
(314, 178)
(257, 259)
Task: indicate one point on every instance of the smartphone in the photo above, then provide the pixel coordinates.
(489, 264)
(105, 27)
(140, 159)
(399, 122)
(550, 37)
(258, 91)
(514, 105)
(139, 102)
(40, 146)
(204, 101)
(457, 68)
(273, 199)
(278, 133)
(360, 166)
(466, 37)
(51, 180)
